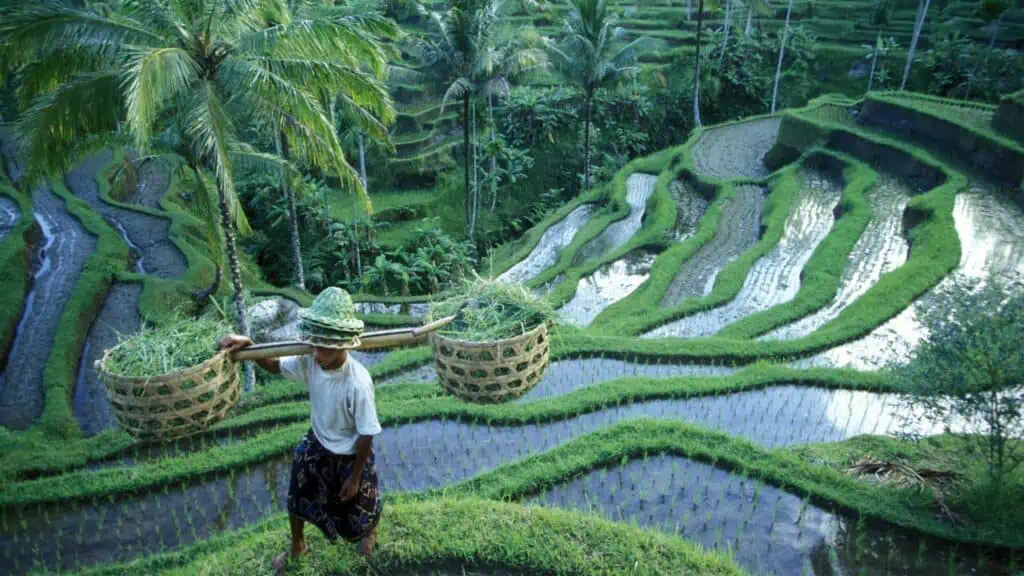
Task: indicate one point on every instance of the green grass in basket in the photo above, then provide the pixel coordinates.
(496, 311)
(171, 347)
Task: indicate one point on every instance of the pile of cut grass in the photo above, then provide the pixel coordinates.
(488, 310)
(170, 347)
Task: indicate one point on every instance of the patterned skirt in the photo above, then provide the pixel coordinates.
(313, 493)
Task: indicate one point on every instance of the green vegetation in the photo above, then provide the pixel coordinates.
(489, 310)
(14, 260)
(168, 348)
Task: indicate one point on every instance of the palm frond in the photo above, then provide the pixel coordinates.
(154, 76)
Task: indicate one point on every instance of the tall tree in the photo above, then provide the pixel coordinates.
(918, 25)
(589, 56)
(214, 62)
(879, 19)
(726, 28)
(782, 54)
(991, 12)
(464, 54)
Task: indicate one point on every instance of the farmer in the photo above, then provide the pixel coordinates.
(333, 478)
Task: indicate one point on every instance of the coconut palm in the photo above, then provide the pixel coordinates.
(879, 19)
(696, 65)
(753, 6)
(782, 53)
(589, 56)
(213, 63)
(463, 55)
(922, 13)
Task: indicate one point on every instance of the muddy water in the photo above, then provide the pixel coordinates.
(775, 278)
(147, 234)
(639, 188)
(63, 250)
(412, 457)
(769, 531)
(736, 150)
(690, 208)
(609, 284)
(881, 249)
(545, 253)
(738, 229)
(991, 231)
(9, 216)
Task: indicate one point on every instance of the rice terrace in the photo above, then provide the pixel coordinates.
(512, 287)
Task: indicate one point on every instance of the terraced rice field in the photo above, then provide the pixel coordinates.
(735, 150)
(545, 253)
(738, 230)
(691, 207)
(639, 188)
(881, 249)
(775, 278)
(9, 216)
(991, 231)
(609, 284)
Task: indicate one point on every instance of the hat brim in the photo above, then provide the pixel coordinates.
(332, 343)
(343, 325)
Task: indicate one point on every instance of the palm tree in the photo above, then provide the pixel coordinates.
(922, 14)
(991, 12)
(464, 56)
(213, 62)
(696, 65)
(879, 19)
(782, 53)
(589, 56)
(726, 28)
(753, 6)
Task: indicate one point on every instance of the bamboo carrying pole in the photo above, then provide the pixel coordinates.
(369, 341)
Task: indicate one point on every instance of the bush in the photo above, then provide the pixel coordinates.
(970, 370)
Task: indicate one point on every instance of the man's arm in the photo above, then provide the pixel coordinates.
(234, 342)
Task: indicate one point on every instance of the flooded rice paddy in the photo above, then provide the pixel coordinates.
(736, 150)
(552, 242)
(639, 188)
(991, 231)
(413, 457)
(775, 278)
(609, 284)
(738, 229)
(881, 249)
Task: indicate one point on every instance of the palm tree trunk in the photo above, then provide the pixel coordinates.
(586, 141)
(476, 180)
(696, 66)
(293, 217)
(355, 225)
(466, 204)
(874, 60)
(750, 18)
(725, 37)
(494, 159)
(689, 8)
(913, 43)
(782, 53)
(236, 279)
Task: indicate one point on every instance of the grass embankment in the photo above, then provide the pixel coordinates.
(14, 261)
(455, 534)
(413, 406)
(821, 277)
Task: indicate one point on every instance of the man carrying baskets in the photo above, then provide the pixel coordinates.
(333, 477)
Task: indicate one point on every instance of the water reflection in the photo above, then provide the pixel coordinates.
(609, 284)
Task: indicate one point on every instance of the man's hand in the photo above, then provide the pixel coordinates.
(350, 487)
(233, 342)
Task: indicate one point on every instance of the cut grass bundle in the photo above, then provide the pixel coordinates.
(169, 348)
(488, 310)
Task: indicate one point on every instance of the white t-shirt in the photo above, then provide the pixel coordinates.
(342, 399)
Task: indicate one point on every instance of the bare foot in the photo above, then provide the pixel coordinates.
(281, 560)
(367, 544)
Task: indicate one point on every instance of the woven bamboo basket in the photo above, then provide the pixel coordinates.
(173, 405)
(492, 371)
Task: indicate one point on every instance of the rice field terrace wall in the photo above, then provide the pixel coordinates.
(20, 234)
(1009, 117)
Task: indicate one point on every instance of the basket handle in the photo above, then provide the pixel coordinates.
(369, 341)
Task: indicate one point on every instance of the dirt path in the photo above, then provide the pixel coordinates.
(63, 249)
(881, 249)
(639, 188)
(552, 242)
(991, 231)
(736, 150)
(775, 278)
(738, 229)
